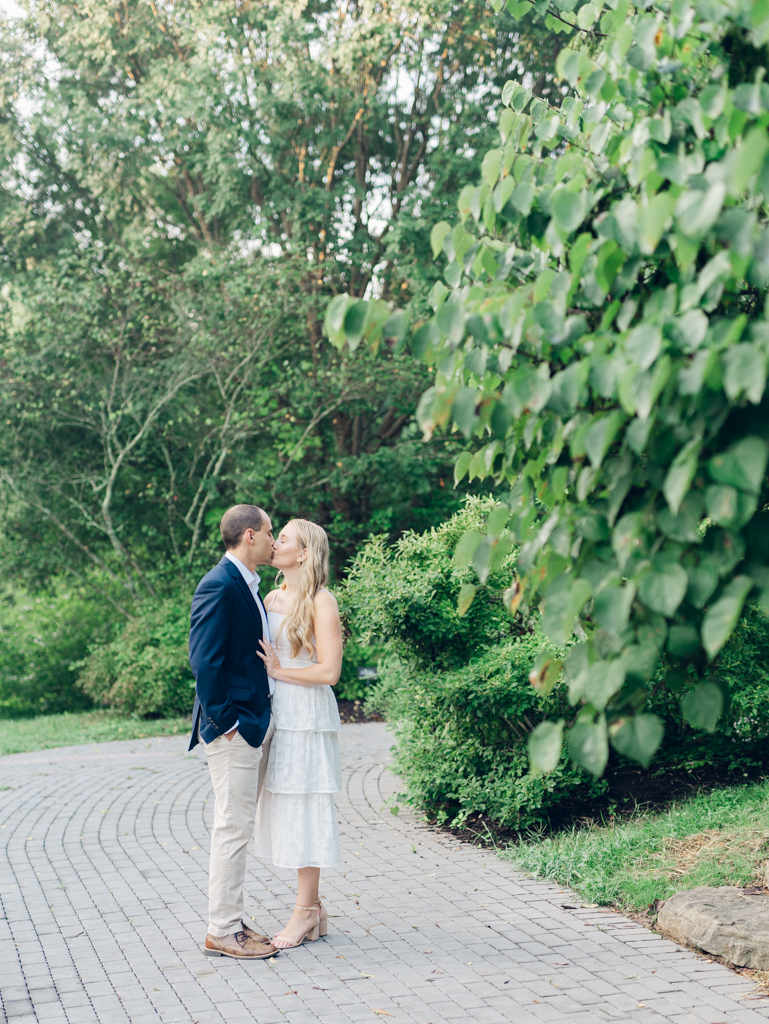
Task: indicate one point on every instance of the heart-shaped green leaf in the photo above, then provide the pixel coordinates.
(568, 208)
(702, 706)
(743, 465)
(721, 617)
(544, 746)
(639, 738)
(466, 595)
(589, 745)
(663, 589)
(565, 598)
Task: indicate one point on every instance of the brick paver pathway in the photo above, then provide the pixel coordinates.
(103, 856)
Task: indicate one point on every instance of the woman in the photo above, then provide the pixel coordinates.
(296, 816)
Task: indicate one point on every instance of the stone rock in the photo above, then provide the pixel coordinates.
(723, 921)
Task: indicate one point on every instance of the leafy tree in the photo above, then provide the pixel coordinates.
(181, 189)
(125, 443)
(601, 339)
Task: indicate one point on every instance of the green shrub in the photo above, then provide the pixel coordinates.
(40, 638)
(462, 737)
(743, 666)
(404, 597)
(457, 691)
(145, 670)
(742, 673)
(356, 655)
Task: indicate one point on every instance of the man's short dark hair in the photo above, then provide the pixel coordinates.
(236, 521)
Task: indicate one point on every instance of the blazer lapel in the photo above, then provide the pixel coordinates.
(235, 573)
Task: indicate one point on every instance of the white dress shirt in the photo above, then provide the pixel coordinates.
(252, 582)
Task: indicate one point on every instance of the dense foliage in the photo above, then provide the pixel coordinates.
(181, 189)
(405, 595)
(145, 669)
(457, 689)
(743, 665)
(601, 338)
(462, 737)
(41, 636)
(61, 651)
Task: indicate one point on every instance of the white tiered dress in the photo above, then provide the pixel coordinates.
(296, 824)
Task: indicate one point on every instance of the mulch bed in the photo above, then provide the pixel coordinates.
(629, 791)
(352, 711)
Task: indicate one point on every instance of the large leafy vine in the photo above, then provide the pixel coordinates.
(600, 338)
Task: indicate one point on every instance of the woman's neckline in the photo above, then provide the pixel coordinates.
(284, 614)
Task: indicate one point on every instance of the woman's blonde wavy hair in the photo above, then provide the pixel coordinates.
(299, 623)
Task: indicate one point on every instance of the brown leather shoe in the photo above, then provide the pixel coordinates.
(252, 934)
(239, 946)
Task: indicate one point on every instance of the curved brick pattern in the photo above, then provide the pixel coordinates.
(103, 854)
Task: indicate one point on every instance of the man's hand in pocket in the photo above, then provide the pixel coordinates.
(230, 735)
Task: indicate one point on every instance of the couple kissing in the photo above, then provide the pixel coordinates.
(267, 718)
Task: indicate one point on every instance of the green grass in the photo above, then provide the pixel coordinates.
(18, 735)
(717, 838)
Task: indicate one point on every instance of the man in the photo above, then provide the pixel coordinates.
(231, 717)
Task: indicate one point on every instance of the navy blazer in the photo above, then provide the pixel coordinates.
(232, 686)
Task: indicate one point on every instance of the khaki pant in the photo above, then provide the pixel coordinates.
(237, 775)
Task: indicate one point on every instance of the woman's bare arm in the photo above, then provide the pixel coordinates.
(328, 642)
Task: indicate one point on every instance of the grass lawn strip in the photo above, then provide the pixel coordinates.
(716, 838)
(71, 728)
(20, 735)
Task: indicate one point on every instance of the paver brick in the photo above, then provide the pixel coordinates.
(102, 914)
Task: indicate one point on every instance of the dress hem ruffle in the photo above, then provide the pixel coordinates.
(269, 862)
